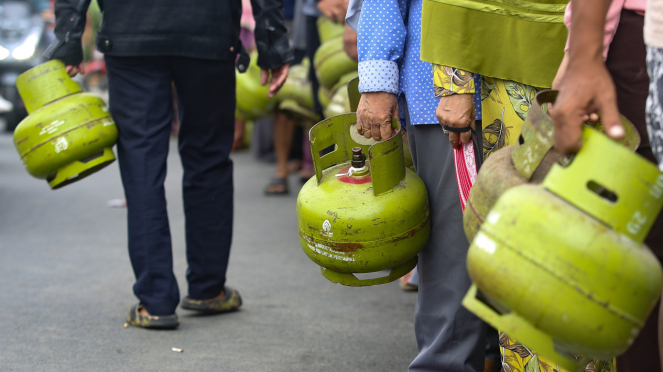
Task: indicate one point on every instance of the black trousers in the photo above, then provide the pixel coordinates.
(141, 104)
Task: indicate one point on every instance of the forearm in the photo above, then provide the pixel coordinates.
(587, 29)
(270, 34)
(69, 27)
(380, 43)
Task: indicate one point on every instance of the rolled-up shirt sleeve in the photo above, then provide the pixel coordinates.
(380, 43)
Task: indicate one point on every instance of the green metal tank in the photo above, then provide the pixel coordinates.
(561, 266)
(68, 134)
(253, 101)
(328, 29)
(527, 161)
(361, 215)
(331, 62)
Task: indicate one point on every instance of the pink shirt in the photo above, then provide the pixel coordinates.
(611, 20)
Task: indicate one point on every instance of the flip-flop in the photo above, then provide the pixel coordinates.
(277, 181)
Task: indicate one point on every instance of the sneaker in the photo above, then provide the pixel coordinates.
(230, 302)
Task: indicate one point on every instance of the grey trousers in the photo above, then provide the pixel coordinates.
(449, 337)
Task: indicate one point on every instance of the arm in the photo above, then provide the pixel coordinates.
(455, 87)
(586, 86)
(334, 9)
(70, 18)
(274, 53)
(381, 42)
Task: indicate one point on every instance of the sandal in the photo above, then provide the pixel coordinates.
(136, 319)
(281, 184)
(230, 302)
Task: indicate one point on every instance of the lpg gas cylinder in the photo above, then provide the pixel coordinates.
(529, 160)
(360, 215)
(331, 62)
(68, 134)
(561, 266)
(253, 101)
(328, 29)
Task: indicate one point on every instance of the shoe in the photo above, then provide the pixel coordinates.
(136, 319)
(231, 302)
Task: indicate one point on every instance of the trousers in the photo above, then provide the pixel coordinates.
(449, 337)
(140, 92)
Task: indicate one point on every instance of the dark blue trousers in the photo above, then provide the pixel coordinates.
(141, 104)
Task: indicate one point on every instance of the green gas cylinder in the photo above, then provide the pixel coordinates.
(295, 96)
(527, 161)
(331, 62)
(561, 266)
(363, 212)
(253, 101)
(68, 134)
(328, 29)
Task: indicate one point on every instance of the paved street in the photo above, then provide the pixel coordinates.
(66, 280)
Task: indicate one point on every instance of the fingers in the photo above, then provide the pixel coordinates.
(361, 112)
(279, 75)
(454, 140)
(81, 68)
(386, 130)
(264, 77)
(568, 127)
(72, 70)
(466, 137)
(374, 114)
(610, 116)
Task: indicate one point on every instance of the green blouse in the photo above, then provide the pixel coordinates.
(519, 40)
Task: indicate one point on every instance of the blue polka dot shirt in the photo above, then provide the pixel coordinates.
(389, 43)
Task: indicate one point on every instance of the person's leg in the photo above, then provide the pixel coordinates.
(450, 338)
(207, 97)
(284, 128)
(140, 102)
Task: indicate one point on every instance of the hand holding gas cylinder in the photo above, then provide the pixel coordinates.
(561, 266)
(374, 115)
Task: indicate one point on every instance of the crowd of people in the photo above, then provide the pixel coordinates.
(460, 75)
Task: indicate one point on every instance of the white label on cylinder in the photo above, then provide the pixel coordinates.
(61, 144)
(493, 217)
(485, 243)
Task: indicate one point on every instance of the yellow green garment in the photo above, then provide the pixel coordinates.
(504, 106)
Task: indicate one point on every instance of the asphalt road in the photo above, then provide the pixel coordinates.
(65, 287)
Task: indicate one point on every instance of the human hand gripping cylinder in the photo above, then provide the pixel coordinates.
(361, 215)
(68, 134)
(561, 266)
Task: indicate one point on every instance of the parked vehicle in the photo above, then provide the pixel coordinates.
(22, 44)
